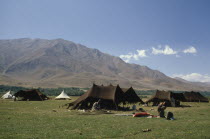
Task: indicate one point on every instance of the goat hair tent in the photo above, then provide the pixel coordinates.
(7, 95)
(164, 96)
(110, 97)
(130, 96)
(31, 95)
(179, 96)
(63, 95)
(195, 97)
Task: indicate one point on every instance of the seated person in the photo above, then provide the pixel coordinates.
(161, 108)
(96, 105)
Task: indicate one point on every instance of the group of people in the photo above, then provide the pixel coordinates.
(161, 109)
(161, 112)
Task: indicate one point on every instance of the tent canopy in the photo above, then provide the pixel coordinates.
(62, 95)
(168, 96)
(164, 96)
(110, 97)
(160, 95)
(179, 96)
(131, 96)
(34, 95)
(7, 95)
(195, 97)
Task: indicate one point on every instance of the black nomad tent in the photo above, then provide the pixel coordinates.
(130, 96)
(194, 97)
(110, 97)
(31, 95)
(169, 97)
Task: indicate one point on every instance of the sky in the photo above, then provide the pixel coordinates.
(172, 36)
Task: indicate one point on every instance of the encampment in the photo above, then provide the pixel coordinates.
(62, 96)
(164, 96)
(194, 97)
(31, 95)
(110, 97)
(7, 95)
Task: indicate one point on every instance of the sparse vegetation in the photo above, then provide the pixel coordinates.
(47, 91)
(73, 91)
(151, 92)
(32, 119)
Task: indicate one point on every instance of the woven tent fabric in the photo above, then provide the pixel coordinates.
(160, 95)
(34, 95)
(179, 96)
(169, 97)
(130, 96)
(110, 95)
(195, 97)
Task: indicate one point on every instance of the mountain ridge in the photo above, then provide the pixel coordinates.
(62, 63)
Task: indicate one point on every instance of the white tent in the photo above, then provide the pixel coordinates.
(8, 95)
(62, 96)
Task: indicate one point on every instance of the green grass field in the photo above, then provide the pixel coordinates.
(34, 119)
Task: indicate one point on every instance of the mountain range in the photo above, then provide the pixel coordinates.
(61, 63)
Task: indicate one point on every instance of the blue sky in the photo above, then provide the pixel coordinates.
(170, 36)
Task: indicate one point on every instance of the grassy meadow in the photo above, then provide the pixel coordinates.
(35, 119)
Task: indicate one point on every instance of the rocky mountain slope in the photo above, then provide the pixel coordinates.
(61, 63)
(204, 84)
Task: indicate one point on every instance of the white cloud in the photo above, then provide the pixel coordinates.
(127, 57)
(190, 50)
(194, 77)
(159, 50)
(130, 56)
(166, 51)
(141, 53)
